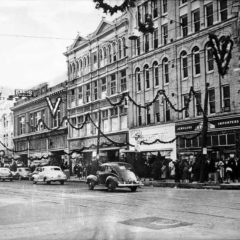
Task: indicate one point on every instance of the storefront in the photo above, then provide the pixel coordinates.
(164, 133)
(223, 138)
(108, 151)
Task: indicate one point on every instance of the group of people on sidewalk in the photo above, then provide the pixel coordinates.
(197, 169)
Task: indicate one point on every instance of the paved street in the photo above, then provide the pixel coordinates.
(71, 211)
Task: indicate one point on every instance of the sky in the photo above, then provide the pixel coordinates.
(34, 34)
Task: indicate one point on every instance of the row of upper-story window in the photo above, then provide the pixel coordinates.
(112, 119)
(161, 70)
(107, 54)
(160, 36)
(162, 112)
(29, 123)
(99, 89)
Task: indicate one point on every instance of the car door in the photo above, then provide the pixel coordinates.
(40, 175)
(102, 174)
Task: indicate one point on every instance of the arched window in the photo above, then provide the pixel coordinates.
(124, 47)
(184, 64)
(196, 60)
(146, 76)
(84, 62)
(155, 74)
(109, 54)
(119, 49)
(104, 53)
(101, 55)
(77, 70)
(138, 79)
(73, 68)
(165, 68)
(88, 61)
(80, 64)
(209, 58)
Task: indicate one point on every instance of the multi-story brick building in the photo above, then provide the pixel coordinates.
(98, 67)
(174, 58)
(44, 140)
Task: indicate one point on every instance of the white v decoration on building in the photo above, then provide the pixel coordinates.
(53, 107)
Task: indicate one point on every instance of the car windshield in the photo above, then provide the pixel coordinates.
(55, 169)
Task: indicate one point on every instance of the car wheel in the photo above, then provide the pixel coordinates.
(133, 189)
(61, 182)
(10, 180)
(48, 182)
(91, 185)
(111, 185)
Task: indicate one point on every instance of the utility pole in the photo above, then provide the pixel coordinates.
(98, 136)
(204, 134)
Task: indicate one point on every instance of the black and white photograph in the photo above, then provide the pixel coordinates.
(119, 119)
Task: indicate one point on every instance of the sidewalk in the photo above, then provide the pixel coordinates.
(172, 184)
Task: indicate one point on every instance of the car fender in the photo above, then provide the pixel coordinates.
(111, 178)
(92, 178)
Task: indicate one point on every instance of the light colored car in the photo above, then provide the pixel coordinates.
(5, 174)
(115, 175)
(22, 173)
(49, 174)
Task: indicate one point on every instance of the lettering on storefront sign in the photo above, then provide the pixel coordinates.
(23, 93)
(233, 122)
(121, 138)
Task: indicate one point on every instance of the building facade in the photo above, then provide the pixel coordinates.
(40, 128)
(98, 68)
(6, 125)
(174, 58)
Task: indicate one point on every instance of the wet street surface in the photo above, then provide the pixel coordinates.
(71, 211)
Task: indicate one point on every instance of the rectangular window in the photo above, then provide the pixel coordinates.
(122, 110)
(72, 95)
(145, 7)
(184, 23)
(165, 33)
(139, 116)
(138, 77)
(186, 102)
(80, 92)
(155, 38)
(209, 14)
(123, 81)
(147, 80)
(95, 90)
(138, 46)
(21, 125)
(198, 104)
(88, 93)
(155, 9)
(184, 1)
(185, 66)
(113, 84)
(105, 114)
(231, 138)
(164, 6)
(223, 10)
(146, 42)
(211, 93)
(196, 20)
(210, 59)
(114, 112)
(226, 98)
(157, 111)
(104, 85)
(167, 112)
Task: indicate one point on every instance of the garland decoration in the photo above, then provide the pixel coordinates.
(109, 139)
(222, 51)
(159, 92)
(146, 27)
(109, 9)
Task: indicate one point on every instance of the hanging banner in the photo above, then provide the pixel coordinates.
(53, 107)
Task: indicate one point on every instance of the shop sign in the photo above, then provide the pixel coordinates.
(231, 122)
(78, 144)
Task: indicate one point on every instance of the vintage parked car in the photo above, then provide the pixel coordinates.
(115, 175)
(36, 171)
(49, 174)
(22, 173)
(5, 174)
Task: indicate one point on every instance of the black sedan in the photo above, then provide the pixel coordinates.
(115, 175)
